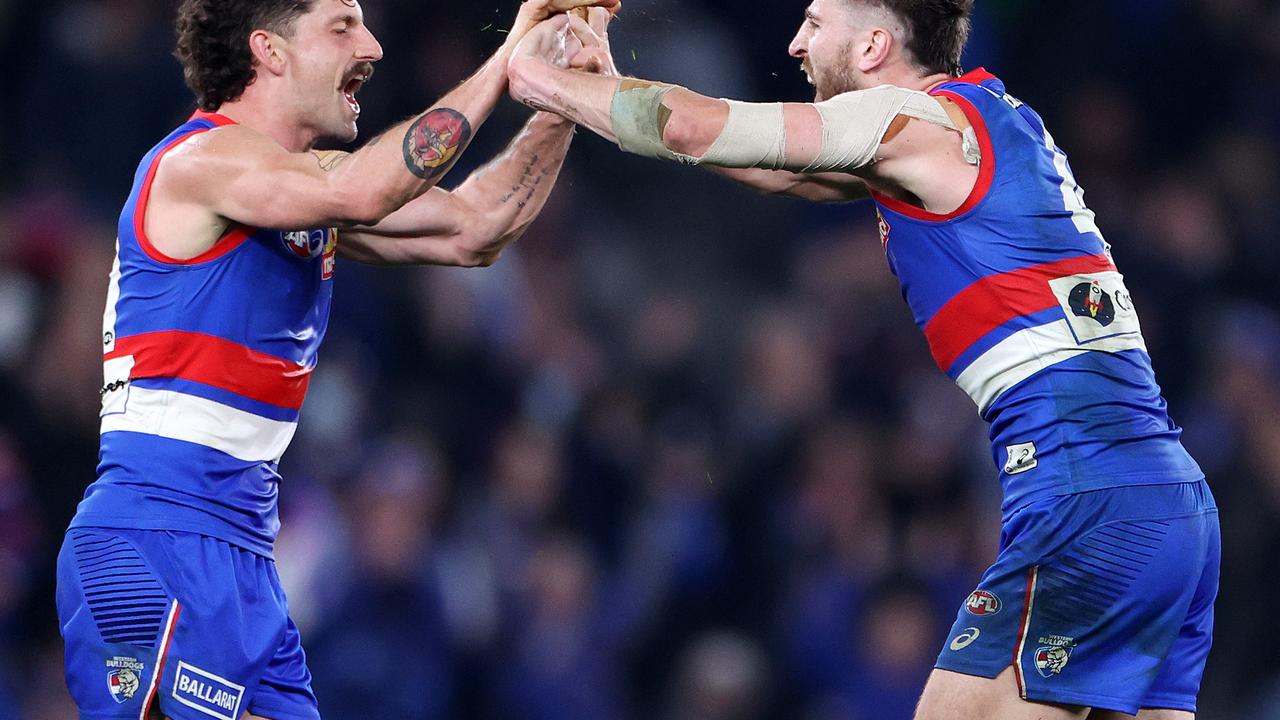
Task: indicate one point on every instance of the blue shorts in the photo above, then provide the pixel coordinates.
(1103, 599)
(183, 622)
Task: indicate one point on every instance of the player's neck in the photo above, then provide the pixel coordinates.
(267, 119)
(903, 75)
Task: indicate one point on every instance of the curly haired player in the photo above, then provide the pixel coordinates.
(1100, 601)
(218, 300)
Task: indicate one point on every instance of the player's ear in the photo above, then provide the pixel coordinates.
(875, 47)
(265, 46)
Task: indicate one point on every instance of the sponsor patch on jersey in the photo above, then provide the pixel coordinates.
(883, 226)
(981, 603)
(1097, 306)
(305, 244)
(1088, 299)
(210, 694)
(122, 678)
(1020, 458)
(330, 258)
(965, 639)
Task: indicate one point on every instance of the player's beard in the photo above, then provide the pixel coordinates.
(840, 78)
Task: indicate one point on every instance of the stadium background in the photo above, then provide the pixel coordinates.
(681, 454)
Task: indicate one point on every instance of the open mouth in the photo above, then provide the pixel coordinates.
(352, 87)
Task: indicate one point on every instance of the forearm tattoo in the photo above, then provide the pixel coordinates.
(530, 178)
(434, 140)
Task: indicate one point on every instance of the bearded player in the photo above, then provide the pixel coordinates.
(1100, 602)
(219, 297)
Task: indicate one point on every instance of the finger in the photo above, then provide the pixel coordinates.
(585, 33)
(560, 6)
(599, 19)
(591, 59)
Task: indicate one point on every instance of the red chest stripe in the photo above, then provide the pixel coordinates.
(216, 362)
(995, 300)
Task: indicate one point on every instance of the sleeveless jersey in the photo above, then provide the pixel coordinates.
(1023, 307)
(206, 363)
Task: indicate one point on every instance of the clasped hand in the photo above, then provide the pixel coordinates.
(567, 40)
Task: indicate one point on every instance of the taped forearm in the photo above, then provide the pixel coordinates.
(639, 119)
(853, 126)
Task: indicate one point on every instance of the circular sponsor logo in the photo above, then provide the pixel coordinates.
(304, 243)
(981, 603)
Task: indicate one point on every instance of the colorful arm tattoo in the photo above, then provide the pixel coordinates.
(434, 140)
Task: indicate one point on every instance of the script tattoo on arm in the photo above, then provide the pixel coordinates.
(530, 178)
(434, 141)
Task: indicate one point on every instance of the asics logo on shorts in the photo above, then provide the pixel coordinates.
(965, 639)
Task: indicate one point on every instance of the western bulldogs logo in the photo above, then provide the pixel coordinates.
(123, 684)
(981, 602)
(305, 244)
(1088, 299)
(1051, 659)
(122, 680)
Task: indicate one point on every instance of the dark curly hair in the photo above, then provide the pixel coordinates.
(937, 31)
(213, 43)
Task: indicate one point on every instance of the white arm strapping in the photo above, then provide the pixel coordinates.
(755, 135)
(854, 124)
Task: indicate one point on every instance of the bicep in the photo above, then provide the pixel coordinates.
(250, 180)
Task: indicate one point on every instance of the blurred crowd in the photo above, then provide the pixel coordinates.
(681, 454)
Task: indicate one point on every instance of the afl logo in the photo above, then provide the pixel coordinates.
(981, 602)
(305, 244)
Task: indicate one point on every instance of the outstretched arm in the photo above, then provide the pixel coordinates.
(472, 224)
(813, 150)
(231, 170)
(690, 124)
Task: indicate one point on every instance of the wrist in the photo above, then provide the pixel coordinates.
(552, 121)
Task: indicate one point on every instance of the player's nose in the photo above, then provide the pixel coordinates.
(799, 45)
(370, 49)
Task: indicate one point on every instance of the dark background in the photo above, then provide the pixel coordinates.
(681, 454)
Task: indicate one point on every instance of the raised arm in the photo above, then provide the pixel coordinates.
(812, 150)
(237, 175)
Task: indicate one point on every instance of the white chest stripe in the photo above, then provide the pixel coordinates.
(179, 416)
(1026, 353)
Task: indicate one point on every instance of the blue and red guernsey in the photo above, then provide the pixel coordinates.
(1023, 307)
(206, 363)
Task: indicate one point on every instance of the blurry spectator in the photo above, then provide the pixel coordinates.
(721, 676)
(561, 665)
(384, 650)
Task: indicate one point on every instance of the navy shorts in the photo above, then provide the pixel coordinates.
(192, 625)
(1103, 599)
